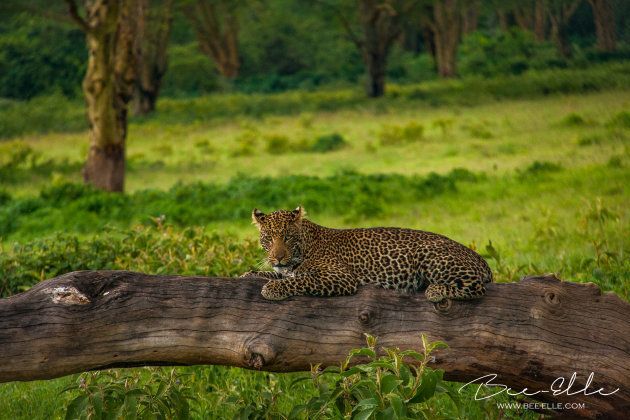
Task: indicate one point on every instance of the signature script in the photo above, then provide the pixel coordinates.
(558, 387)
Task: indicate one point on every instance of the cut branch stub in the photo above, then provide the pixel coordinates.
(529, 333)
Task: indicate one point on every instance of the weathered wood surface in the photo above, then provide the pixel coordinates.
(528, 333)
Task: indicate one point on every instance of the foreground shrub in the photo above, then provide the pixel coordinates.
(128, 394)
(388, 386)
(156, 250)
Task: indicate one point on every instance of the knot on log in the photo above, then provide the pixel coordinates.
(67, 295)
(258, 355)
(368, 316)
(443, 306)
(552, 298)
(256, 361)
(365, 316)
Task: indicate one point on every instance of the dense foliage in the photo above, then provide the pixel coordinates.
(287, 44)
(58, 114)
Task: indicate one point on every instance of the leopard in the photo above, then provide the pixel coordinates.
(313, 260)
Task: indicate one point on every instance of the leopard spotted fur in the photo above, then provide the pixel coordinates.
(309, 259)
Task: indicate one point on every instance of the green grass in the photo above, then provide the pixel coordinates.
(544, 178)
(520, 132)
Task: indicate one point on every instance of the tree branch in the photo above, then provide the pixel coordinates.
(358, 42)
(76, 17)
(528, 333)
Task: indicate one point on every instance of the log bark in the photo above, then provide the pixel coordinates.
(528, 333)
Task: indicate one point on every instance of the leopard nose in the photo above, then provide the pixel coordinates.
(280, 254)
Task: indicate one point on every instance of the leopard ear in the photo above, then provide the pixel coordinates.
(258, 217)
(298, 214)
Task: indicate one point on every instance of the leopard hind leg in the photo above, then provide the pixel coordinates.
(459, 290)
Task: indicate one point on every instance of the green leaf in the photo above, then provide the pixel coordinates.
(363, 352)
(76, 407)
(389, 383)
(97, 403)
(385, 414)
(352, 371)
(427, 387)
(412, 353)
(363, 415)
(383, 364)
(365, 404)
(298, 380)
(405, 374)
(295, 412)
(397, 405)
(130, 407)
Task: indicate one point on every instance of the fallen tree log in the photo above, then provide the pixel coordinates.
(528, 333)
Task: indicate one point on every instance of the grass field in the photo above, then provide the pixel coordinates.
(544, 180)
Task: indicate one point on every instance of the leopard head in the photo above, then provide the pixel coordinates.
(280, 237)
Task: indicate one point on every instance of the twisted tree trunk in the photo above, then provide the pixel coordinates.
(529, 333)
(604, 24)
(216, 25)
(446, 25)
(154, 29)
(560, 13)
(109, 27)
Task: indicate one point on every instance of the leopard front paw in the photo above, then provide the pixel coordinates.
(248, 274)
(436, 293)
(273, 290)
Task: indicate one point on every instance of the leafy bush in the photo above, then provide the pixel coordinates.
(589, 139)
(57, 113)
(159, 250)
(127, 394)
(505, 53)
(189, 72)
(77, 208)
(478, 130)
(328, 143)
(538, 167)
(621, 120)
(573, 120)
(387, 386)
(278, 144)
(391, 135)
(246, 143)
(40, 56)
(53, 113)
(445, 125)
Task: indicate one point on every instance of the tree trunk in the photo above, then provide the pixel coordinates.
(381, 26)
(604, 25)
(560, 13)
(503, 20)
(446, 26)
(524, 15)
(528, 333)
(154, 28)
(470, 17)
(540, 22)
(109, 27)
(376, 65)
(216, 25)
